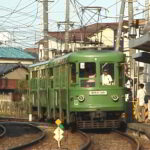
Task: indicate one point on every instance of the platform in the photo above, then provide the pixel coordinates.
(141, 127)
(141, 43)
(142, 57)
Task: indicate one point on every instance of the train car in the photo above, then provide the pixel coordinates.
(72, 89)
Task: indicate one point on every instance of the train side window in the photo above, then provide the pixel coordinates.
(43, 72)
(50, 73)
(34, 74)
(73, 73)
(107, 74)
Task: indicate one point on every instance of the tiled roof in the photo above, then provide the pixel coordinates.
(32, 50)
(83, 33)
(14, 53)
(6, 68)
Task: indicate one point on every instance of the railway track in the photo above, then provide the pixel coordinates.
(81, 140)
(18, 135)
(2, 131)
(108, 140)
(142, 137)
(71, 141)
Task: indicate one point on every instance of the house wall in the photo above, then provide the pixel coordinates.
(15, 61)
(19, 73)
(107, 37)
(6, 97)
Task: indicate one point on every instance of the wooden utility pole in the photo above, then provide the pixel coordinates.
(119, 31)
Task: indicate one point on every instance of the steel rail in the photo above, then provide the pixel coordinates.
(87, 144)
(133, 139)
(31, 142)
(3, 131)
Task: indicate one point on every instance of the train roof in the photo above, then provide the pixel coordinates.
(103, 55)
(84, 55)
(90, 55)
(39, 64)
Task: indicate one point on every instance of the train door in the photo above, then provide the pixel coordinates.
(62, 94)
(57, 81)
(50, 93)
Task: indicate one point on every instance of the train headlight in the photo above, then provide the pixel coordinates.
(115, 98)
(81, 98)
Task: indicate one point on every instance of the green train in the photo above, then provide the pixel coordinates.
(84, 88)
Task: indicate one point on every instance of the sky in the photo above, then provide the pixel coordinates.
(22, 18)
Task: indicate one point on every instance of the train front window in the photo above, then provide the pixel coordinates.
(87, 74)
(107, 74)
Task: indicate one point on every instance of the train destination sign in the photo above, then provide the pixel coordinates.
(97, 92)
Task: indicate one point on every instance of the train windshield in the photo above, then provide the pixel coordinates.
(87, 74)
(107, 74)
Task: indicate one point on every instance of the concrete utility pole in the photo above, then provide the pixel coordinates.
(119, 31)
(45, 28)
(67, 23)
(131, 30)
(132, 34)
(147, 11)
(131, 63)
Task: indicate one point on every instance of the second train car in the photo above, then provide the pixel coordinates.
(71, 88)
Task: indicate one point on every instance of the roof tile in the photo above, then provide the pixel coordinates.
(14, 53)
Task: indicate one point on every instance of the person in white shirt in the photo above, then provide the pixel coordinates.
(106, 78)
(140, 99)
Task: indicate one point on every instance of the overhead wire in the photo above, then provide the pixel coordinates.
(55, 21)
(11, 13)
(24, 7)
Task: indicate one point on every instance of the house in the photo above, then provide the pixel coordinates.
(13, 69)
(33, 51)
(99, 35)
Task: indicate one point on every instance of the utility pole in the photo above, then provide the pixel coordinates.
(45, 28)
(132, 34)
(131, 30)
(119, 31)
(67, 23)
(131, 66)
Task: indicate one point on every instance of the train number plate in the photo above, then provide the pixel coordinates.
(97, 92)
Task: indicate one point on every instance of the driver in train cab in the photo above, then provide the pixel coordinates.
(106, 78)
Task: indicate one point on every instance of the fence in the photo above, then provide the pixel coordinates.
(14, 109)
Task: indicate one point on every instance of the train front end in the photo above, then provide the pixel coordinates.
(96, 100)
